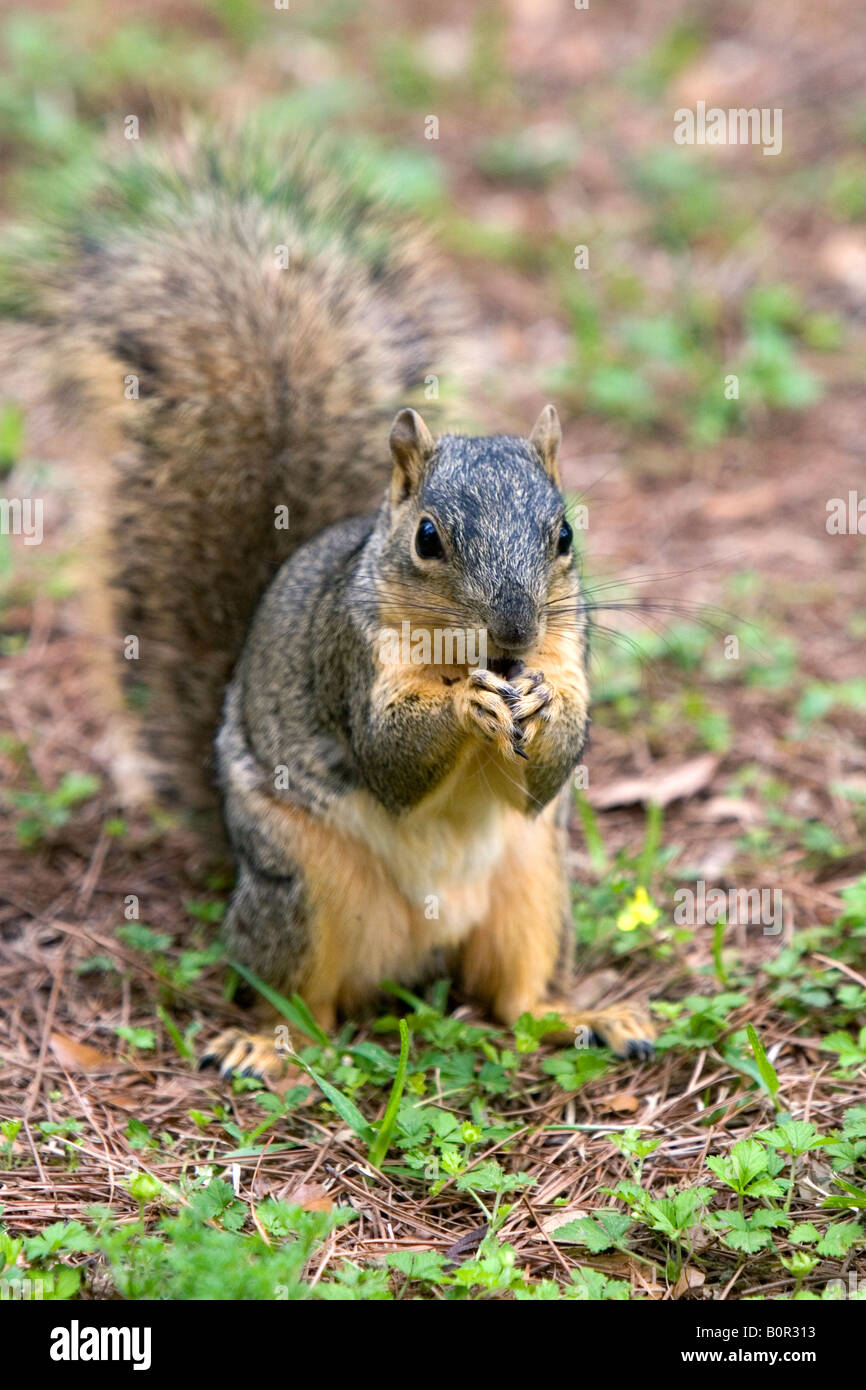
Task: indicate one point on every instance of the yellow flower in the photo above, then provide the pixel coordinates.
(640, 909)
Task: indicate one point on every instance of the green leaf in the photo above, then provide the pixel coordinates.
(590, 1285)
(142, 938)
(839, 1238)
(794, 1136)
(855, 1196)
(138, 1134)
(142, 1038)
(804, 1233)
(528, 1031)
(66, 1236)
(382, 1142)
(764, 1187)
(295, 1010)
(417, 1264)
(489, 1177)
(604, 1231)
(574, 1066)
(746, 1233)
(765, 1067)
(181, 1045)
(746, 1161)
(66, 1282)
(345, 1108)
(11, 436)
(75, 787)
(718, 959)
(851, 1053)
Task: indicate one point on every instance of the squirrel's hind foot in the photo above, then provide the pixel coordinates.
(236, 1053)
(626, 1029)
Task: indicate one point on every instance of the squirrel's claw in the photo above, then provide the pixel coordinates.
(236, 1053)
(506, 712)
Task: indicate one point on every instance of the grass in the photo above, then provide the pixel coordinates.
(453, 1107)
(196, 1238)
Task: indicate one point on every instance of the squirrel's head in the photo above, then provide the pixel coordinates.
(477, 535)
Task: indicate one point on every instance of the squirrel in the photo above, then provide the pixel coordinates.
(387, 816)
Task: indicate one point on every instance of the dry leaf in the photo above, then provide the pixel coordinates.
(711, 865)
(75, 1056)
(742, 504)
(659, 785)
(549, 1224)
(731, 808)
(621, 1103)
(843, 256)
(723, 75)
(124, 1100)
(309, 1195)
(643, 1278)
(690, 1278)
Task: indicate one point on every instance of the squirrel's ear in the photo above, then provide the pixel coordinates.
(546, 438)
(411, 445)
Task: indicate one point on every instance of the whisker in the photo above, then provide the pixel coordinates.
(661, 576)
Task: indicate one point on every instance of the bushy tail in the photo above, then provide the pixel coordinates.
(235, 337)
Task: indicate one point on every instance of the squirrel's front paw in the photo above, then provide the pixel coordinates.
(484, 706)
(530, 703)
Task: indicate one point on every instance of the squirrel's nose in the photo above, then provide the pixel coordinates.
(513, 631)
(513, 624)
(512, 637)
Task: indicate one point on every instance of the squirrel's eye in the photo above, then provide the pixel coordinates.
(427, 541)
(563, 540)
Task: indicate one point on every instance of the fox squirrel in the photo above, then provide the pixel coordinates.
(385, 814)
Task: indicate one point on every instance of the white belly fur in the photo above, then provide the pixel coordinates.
(441, 854)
